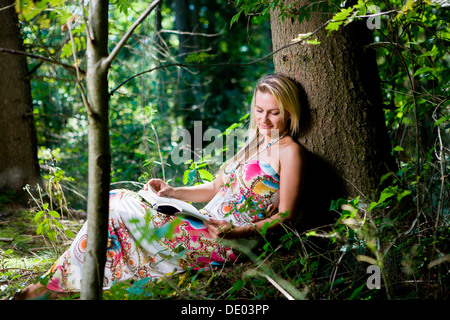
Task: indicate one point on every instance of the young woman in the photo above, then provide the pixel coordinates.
(261, 184)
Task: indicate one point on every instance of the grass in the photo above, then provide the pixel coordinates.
(24, 255)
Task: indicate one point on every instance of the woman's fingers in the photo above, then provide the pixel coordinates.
(218, 228)
(165, 191)
(156, 184)
(212, 229)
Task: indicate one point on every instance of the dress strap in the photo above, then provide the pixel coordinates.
(267, 146)
(234, 165)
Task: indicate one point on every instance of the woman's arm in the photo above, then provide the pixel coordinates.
(199, 193)
(291, 178)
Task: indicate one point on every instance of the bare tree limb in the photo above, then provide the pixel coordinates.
(78, 77)
(208, 35)
(8, 6)
(85, 21)
(201, 66)
(107, 62)
(295, 41)
(42, 58)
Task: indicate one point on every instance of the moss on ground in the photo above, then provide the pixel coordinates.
(24, 255)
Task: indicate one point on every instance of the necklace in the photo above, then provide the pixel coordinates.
(267, 146)
(234, 165)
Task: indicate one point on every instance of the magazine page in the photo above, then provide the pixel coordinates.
(185, 208)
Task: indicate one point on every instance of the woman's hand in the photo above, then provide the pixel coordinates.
(220, 229)
(162, 188)
(198, 193)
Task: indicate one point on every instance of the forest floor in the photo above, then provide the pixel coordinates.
(26, 256)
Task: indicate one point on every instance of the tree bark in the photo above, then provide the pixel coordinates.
(99, 151)
(98, 64)
(18, 142)
(345, 137)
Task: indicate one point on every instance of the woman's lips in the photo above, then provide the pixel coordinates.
(263, 126)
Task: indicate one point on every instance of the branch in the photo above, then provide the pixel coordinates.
(74, 52)
(201, 66)
(85, 22)
(8, 6)
(79, 85)
(107, 62)
(191, 33)
(300, 39)
(242, 64)
(42, 58)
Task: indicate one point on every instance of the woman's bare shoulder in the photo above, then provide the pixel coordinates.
(291, 148)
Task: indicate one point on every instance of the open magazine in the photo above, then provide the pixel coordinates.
(171, 206)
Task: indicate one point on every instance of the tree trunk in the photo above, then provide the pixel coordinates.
(18, 142)
(99, 152)
(345, 137)
(98, 64)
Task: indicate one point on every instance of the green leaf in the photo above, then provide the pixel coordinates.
(264, 228)
(69, 233)
(38, 216)
(66, 51)
(387, 193)
(332, 26)
(372, 205)
(197, 57)
(51, 235)
(425, 70)
(185, 176)
(441, 120)
(57, 223)
(39, 228)
(244, 117)
(357, 291)
(398, 148)
(235, 17)
(336, 205)
(311, 233)
(405, 193)
(313, 41)
(206, 175)
(191, 176)
(188, 176)
(54, 214)
(237, 285)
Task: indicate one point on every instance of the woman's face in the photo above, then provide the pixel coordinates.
(267, 114)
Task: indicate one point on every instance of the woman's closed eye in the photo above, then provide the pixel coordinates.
(274, 113)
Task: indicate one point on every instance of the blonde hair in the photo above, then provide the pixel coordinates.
(287, 95)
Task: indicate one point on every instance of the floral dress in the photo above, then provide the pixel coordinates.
(145, 243)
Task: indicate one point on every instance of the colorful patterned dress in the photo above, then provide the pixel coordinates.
(145, 243)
